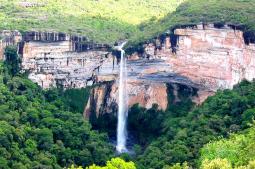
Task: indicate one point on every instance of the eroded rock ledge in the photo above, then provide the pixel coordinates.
(58, 59)
(203, 58)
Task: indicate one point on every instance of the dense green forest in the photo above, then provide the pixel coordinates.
(38, 131)
(45, 129)
(178, 134)
(238, 149)
(107, 21)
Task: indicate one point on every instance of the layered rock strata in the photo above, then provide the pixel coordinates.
(210, 57)
(57, 59)
(201, 57)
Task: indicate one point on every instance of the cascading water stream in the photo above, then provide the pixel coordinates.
(123, 105)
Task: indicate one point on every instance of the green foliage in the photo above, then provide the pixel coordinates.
(76, 99)
(103, 21)
(110, 20)
(238, 149)
(105, 123)
(180, 136)
(145, 123)
(177, 166)
(216, 164)
(114, 163)
(224, 164)
(12, 59)
(36, 130)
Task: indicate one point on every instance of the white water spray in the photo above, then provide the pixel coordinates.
(123, 105)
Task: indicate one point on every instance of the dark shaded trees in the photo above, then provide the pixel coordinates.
(37, 131)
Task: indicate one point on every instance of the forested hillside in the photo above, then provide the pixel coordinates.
(238, 150)
(178, 134)
(108, 21)
(46, 129)
(37, 131)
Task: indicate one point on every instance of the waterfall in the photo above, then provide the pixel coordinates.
(123, 105)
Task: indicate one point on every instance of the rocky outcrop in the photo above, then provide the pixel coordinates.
(58, 59)
(201, 57)
(210, 57)
(104, 98)
(204, 58)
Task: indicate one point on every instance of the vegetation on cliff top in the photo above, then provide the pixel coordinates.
(103, 21)
(110, 20)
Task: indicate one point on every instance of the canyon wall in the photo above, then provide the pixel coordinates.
(201, 58)
(57, 59)
(210, 57)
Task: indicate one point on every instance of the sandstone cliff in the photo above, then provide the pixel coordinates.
(57, 59)
(202, 58)
(210, 57)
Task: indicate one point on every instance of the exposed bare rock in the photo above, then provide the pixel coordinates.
(147, 94)
(104, 98)
(202, 58)
(57, 59)
(211, 58)
(29, 4)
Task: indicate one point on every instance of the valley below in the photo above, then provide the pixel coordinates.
(168, 90)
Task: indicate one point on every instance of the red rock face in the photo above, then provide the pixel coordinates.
(204, 58)
(210, 57)
(147, 94)
(104, 98)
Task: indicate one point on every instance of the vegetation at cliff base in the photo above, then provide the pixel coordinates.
(114, 163)
(236, 152)
(238, 149)
(186, 133)
(37, 131)
(177, 135)
(107, 21)
(45, 129)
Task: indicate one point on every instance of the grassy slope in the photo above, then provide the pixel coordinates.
(196, 11)
(102, 20)
(110, 20)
